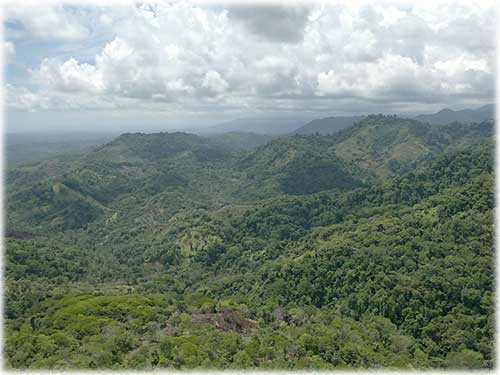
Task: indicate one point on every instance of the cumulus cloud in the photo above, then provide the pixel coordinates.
(213, 83)
(21, 98)
(9, 52)
(276, 23)
(174, 55)
(49, 20)
(70, 76)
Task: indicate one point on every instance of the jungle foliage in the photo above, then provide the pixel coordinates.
(368, 248)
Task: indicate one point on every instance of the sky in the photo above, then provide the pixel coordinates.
(132, 65)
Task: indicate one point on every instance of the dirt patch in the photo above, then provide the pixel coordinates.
(18, 234)
(226, 320)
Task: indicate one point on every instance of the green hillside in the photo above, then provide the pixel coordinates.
(297, 165)
(386, 145)
(368, 248)
(237, 141)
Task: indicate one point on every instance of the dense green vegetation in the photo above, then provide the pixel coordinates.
(236, 141)
(369, 248)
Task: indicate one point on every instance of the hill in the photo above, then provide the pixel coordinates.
(137, 171)
(133, 167)
(240, 141)
(269, 125)
(172, 250)
(446, 116)
(389, 145)
(328, 125)
(296, 165)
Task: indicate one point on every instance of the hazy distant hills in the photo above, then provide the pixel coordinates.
(63, 137)
(30, 147)
(23, 148)
(240, 134)
(445, 116)
(331, 125)
(269, 125)
(279, 125)
(305, 124)
(327, 125)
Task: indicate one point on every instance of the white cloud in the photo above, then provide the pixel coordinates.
(214, 83)
(461, 64)
(272, 22)
(9, 52)
(391, 77)
(178, 56)
(71, 76)
(21, 98)
(47, 20)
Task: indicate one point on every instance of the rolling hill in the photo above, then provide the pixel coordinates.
(389, 145)
(446, 116)
(370, 247)
(240, 141)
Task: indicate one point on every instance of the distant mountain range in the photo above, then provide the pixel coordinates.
(269, 125)
(240, 134)
(72, 191)
(327, 125)
(283, 125)
(30, 147)
(445, 116)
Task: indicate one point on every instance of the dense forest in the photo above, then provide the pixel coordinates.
(368, 248)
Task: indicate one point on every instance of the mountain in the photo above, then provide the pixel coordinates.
(369, 247)
(150, 147)
(137, 166)
(297, 165)
(446, 116)
(388, 145)
(331, 125)
(328, 125)
(186, 169)
(268, 125)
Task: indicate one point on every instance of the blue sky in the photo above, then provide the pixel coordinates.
(150, 65)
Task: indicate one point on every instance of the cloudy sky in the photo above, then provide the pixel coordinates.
(152, 64)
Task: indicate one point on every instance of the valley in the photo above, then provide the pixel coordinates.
(367, 247)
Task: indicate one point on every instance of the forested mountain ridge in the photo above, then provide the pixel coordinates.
(241, 141)
(446, 116)
(333, 124)
(170, 250)
(132, 168)
(388, 145)
(297, 165)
